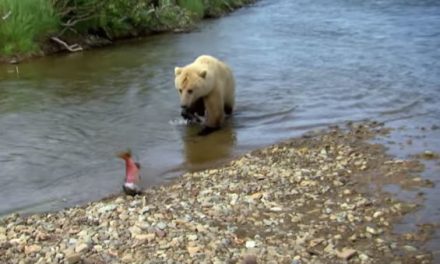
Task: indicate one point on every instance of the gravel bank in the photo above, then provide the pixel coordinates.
(308, 200)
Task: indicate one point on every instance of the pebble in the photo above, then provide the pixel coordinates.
(73, 258)
(31, 249)
(81, 248)
(306, 194)
(250, 244)
(249, 259)
(410, 248)
(161, 225)
(193, 250)
(346, 253)
(363, 257)
(107, 208)
(192, 237)
(146, 237)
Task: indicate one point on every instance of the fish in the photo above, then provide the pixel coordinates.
(132, 174)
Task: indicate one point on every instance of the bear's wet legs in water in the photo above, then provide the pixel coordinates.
(211, 80)
(207, 130)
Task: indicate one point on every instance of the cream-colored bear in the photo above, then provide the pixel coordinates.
(206, 88)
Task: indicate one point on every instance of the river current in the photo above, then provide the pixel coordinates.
(299, 65)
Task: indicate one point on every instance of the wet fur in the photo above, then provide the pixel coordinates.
(212, 93)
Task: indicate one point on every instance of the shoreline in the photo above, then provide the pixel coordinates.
(307, 199)
(79, 42)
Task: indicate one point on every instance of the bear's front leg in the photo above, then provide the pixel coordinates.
(214, 115)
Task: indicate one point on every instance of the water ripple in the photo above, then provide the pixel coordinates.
(299, 65)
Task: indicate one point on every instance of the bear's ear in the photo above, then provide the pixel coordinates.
(203, 73)
(177, 71)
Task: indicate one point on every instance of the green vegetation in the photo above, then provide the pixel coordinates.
(216, 8)
(23, 23)
(196, 7)
(26, 24)
(115, 19)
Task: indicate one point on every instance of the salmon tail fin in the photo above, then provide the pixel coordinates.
(124, 154)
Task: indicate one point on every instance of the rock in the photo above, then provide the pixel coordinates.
(31, 249)
(427, 154)
(347, 192)
(123, 216)
(372, 230)
(40, 236)
(160, 233)
(161, 225)
(73, 258)
(107, 208)
(127, 258)
(250, 244)
(276, 209)
(363, 257)
(410, 248)
(72, 241)
(192, 237)
(377, 214)
(193, 250)
(175, 242)
(249, 259)
(346, 253)
(97, 248)
(315, 242)
(330, 248)
(135, 230)
(145, 237)
(257, 196)
(81, 248)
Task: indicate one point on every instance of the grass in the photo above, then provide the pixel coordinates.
(28, 22)
(216, 8)
(196, 7)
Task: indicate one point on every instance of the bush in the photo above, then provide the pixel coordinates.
(216, 8)
(31, 22)
(28, 22)
(115, 19)
(196, 7)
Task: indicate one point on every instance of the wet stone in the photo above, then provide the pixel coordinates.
(299, 201)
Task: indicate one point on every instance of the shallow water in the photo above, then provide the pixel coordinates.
(298, 66)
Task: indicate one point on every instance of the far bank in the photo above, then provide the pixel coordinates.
(37, 28)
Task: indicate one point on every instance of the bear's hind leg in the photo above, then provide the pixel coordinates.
(228, 109)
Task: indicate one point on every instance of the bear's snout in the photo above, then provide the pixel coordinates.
(185, 113)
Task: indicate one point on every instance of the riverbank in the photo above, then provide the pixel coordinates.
(309, 199)
(31, 28)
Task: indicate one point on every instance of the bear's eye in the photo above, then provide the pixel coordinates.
(190, 91)
(180, 90)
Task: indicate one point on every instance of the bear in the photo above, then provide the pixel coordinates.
(206, 88)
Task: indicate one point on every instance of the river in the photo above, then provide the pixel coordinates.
(299, 66)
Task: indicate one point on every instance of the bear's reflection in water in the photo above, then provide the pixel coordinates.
(204, 151)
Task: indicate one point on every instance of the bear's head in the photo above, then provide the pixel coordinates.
(192, 83)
